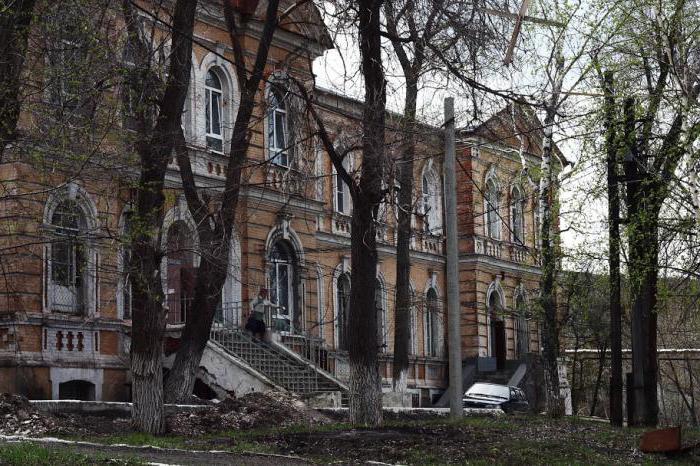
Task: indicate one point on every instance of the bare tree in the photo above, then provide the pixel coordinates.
(158, 127)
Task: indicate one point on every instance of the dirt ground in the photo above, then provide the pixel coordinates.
(247, 430)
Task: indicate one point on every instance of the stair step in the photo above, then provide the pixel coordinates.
(279, 366)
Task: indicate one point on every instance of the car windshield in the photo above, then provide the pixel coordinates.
(489, 390)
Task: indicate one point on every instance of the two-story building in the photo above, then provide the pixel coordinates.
(65, 312)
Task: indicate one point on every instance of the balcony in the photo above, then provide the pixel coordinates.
(286, 180)
(518, 254)
(488, 247)
(428, 243)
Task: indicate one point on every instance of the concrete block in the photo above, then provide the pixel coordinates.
(396, 400)
(323, 400)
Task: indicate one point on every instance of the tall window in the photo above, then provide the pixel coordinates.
(521, 327)
(381, 317)
(67, 50)
(213, 93)
(491, 206)
(432, 323)
(431, 202)
(126, 295)
(131, 100)
(343, 310)
(412, 325)
(281, 278)
(516, 215)
(343, 201)
(278, 128)
(68, 259)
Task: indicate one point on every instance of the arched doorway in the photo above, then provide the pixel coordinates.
(180, 272)
(497, 331)
(283, 279)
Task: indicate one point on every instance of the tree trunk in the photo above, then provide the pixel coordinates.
(211, 276)
(596, 389)
(154, 146)
(616, 416)
(365, 382)
(403, 307)
(550, 334)
(644, 198)
(15, 22)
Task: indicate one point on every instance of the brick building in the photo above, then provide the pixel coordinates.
(65, 307)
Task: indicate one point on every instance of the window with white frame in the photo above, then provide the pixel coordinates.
(278, 127)
(432, 323)
(517, 208)
(431, 202)
(491, 207)
(380, 303)
(342, 303)
(68, 259)
(342, 200)
(214, 101)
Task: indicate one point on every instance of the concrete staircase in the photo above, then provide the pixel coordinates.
(280, 365)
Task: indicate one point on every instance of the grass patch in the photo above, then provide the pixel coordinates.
(30, 454)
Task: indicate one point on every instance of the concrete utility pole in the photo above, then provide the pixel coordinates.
(453, 310)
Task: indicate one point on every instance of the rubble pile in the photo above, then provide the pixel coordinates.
(254, 410)
(19, 417)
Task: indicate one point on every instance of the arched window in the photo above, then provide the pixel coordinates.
(382, 330)
(517, 205)
(342, 310)
(491, 207)
(432, 323)
(213, 93)
(278, 127)
(522, 332)
(431, 202)
(68, 277)
(281, 279)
